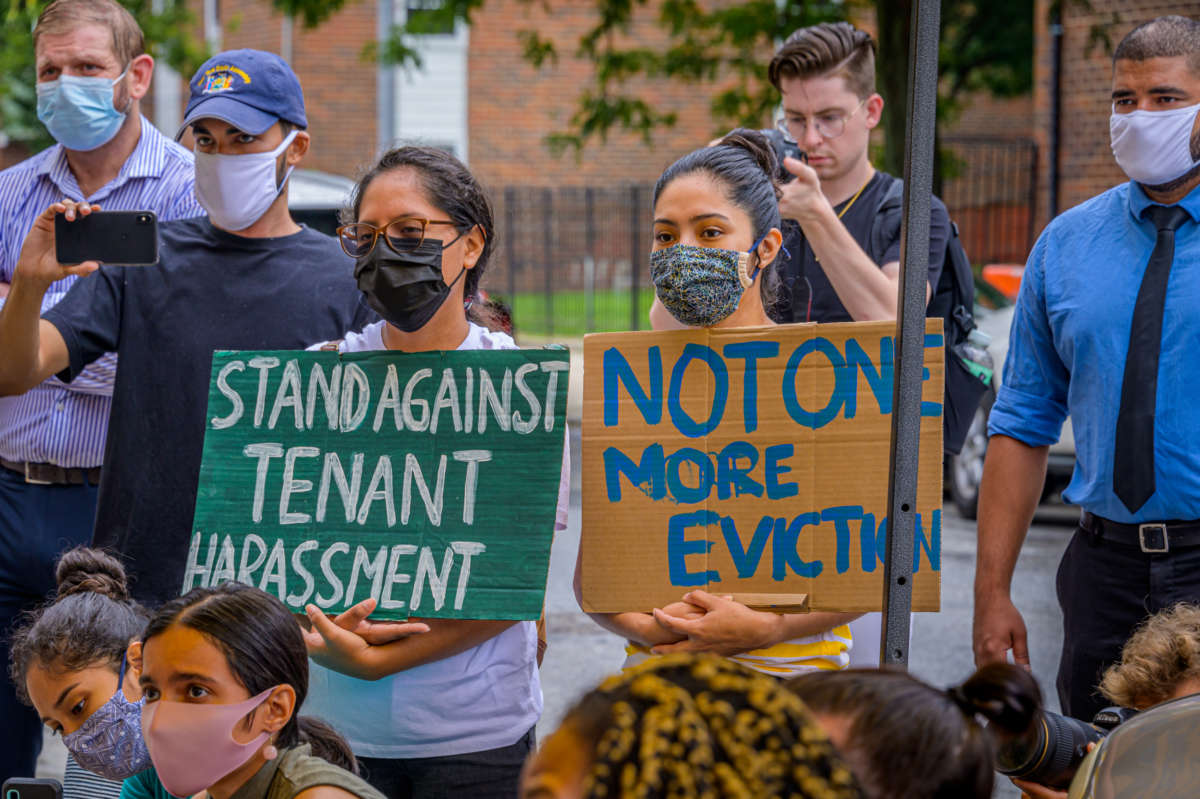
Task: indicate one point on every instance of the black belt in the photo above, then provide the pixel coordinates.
(1151, 537)
(50, 474)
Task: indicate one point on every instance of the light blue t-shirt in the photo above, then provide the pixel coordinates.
(484, 698)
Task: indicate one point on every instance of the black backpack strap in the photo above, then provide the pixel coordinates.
(888, 217)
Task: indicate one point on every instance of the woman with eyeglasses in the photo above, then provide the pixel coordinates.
(450, 711)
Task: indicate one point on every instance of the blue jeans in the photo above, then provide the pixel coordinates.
(37, 523)
(491, 774)
(1105, 590)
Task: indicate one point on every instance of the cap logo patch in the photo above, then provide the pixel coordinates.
(221, 79)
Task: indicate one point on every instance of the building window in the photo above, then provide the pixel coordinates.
(424, 17)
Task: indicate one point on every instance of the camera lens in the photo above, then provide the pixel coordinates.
(1049, 753)
(143, 218)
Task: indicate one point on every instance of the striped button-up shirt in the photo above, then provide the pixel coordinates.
(55, 422)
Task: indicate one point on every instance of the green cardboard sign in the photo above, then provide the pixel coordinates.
(428, 481)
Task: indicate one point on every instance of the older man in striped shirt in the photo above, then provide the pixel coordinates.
(92, 71)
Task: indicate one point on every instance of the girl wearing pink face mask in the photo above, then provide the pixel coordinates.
(224, 673)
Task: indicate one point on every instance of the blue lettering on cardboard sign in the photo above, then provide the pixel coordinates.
(751, 352)
(617, 371)
(720, 391)
(784, 537)
(843, 401)
(679, 547)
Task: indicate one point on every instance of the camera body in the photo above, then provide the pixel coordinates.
(1051, 750)
(784, 148)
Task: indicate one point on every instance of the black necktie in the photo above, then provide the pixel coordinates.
(1133, 450)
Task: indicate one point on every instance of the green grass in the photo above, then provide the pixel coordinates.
(568, 312)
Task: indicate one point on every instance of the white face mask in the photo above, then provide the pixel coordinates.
(1154, 147)
(237, 190)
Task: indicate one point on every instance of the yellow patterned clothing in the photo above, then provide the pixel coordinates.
(827, 651)
(703, 727)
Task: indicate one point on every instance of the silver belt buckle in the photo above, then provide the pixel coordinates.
(1158, 532)
(32, 480)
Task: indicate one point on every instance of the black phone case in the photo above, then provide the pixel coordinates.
(125, 238)
(25, 788)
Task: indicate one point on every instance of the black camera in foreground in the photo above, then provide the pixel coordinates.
(1050, 751)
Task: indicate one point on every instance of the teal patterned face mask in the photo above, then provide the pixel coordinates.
(701, 286)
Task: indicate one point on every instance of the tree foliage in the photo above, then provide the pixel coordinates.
(171, 32)
(987, 45)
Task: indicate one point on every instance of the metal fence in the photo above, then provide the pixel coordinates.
(991, 191)
(573, 260)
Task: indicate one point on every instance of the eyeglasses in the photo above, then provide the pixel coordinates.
(829, 125)
(402, 235)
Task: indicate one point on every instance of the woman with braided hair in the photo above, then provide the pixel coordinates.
(688, 726)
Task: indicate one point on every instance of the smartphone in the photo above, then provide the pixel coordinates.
(26, 788)
(125, 238)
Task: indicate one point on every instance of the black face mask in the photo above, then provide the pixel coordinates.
(406, 290)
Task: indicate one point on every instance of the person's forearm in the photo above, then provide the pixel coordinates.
(1013, 477)
(446, 638)
(802, 625)
(867, 293)
(20, 319)
(640, 628)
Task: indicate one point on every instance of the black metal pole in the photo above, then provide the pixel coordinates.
(910, 331)
(1056, 47)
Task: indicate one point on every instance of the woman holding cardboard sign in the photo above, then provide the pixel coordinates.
(716, 238)
(450, 711)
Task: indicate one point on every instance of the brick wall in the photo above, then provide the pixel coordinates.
(339, 88)
(513, 106)
(1086, 165)
(984, 115)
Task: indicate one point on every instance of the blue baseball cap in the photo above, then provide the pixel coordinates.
(249, 89)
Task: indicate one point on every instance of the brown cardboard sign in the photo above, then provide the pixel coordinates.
(751, 462)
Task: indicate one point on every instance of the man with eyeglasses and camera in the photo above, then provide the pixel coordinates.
(245, 276)
(844, 263)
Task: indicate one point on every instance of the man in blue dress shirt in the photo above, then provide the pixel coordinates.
(1107, 331)
(92, 71)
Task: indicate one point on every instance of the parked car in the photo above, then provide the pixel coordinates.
(965, 470)
(316, 198)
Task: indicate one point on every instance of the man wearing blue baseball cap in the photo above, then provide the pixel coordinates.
(243, 277)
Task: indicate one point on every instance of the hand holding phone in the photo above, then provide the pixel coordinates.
(128, 238)
(38, 265)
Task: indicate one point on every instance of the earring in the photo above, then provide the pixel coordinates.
(269, 752)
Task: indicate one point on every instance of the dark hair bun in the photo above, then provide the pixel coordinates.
(84, 570)
(1004, 694)
(757, 145)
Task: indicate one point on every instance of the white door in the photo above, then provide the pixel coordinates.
(431, 102)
